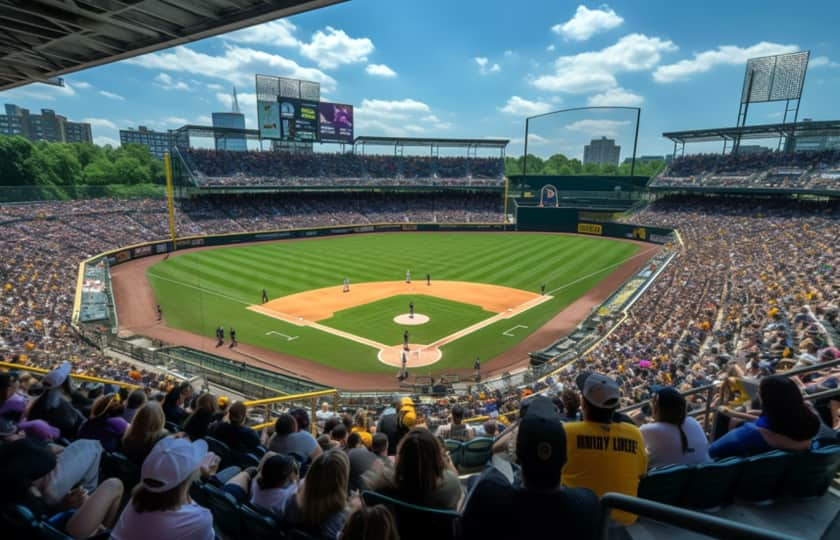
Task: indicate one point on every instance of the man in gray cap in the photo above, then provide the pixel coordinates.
(603, 455)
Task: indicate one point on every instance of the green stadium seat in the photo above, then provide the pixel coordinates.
(257, 525)
(810, 473)
(712, 484)
(417, 522)
(666, 484)
(455, 450)
(220, 449)
(476, 453)
(761, 477)
(19, 522)
(225, 509)
(117, 465)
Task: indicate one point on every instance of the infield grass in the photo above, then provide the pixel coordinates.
(201, 290)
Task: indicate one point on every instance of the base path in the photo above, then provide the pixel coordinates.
(135, 302)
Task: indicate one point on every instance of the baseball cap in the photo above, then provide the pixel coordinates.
(56, 377)
(601, 391)
(26, 460)
(171, 461)
(541, 442)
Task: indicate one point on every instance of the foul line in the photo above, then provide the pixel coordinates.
(595, 273)
(202, 289)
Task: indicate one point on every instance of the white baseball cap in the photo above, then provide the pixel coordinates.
(171, 461)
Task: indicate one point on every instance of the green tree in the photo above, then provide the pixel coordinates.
(101, 172)
(14, 153)
(130, 171)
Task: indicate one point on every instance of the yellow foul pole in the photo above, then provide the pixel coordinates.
(170, 197)
(505, 215)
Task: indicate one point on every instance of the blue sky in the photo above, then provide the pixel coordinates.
(470, 68)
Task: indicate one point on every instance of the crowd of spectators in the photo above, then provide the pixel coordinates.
(756, 170)
(253, 168)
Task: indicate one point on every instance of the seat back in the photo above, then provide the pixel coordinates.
(810, 473)
(417, 522)
(761, 476)
(665, 485)
(257, 525)
(18, 522)
(244, 460)
(455, 450)
(117, 465)
(712, 484)
(220, 449)
(225, 510)
(477, 452)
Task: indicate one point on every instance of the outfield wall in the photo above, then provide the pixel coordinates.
(568, 220)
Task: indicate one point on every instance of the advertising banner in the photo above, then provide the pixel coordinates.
(268, 113)
(335, 122)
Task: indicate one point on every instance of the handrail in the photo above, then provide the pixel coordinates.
(685, 519)
(43, 371)
(267, 402)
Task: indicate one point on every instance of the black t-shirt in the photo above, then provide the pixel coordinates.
(495, 509)
(238, 438)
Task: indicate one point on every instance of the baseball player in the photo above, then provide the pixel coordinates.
(477, 368)
(405, 340)
(411, 310)
(220, 336)
(407, 276)
(542, 289)
(232, 337)
(428, 280)
(264, 296)
(346, 285)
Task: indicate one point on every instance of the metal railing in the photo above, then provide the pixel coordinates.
(42, 371)
(685, 519)
(313, 397)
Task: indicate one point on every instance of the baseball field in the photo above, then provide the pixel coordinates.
(483, 298)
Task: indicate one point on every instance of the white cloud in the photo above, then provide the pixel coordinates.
(522, 107)
(822, 61)
(595, 71)
(83, 85)
(380, 70)
(101, 123)
(508, 53)
(111, 95)
(214, 86)
(397, 117)
(598, 128)
(237, 65)
(334, 47)
(533, 138)
(550, 48)
(483, 64)
(724, 55)
(278, 33)
(247, 104)
(166, 82)
(104, 141)
(39, 91)
(588, 22)
(203, 119)
(615, 97)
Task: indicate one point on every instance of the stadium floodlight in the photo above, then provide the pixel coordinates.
(773, 78)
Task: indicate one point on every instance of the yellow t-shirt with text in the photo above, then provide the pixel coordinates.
(605, 458)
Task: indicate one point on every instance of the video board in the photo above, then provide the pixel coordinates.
(287, 109)
(335, 122)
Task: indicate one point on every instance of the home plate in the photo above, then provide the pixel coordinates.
(407, 320)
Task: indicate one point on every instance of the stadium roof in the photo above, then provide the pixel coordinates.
(764, 131)
(42, 39)
(432, 142)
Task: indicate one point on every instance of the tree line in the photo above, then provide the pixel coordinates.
(69, 168)
(560, 165)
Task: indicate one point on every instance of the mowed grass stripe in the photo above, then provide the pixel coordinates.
(519, 260)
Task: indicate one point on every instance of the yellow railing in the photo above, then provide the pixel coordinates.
(22, 367)
(268, 402)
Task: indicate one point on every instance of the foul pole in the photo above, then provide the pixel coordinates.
(170, 202)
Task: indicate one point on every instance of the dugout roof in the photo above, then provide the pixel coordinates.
(764, 131)
(42, 39)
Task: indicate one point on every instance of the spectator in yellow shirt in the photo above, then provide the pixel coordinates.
(603, 455)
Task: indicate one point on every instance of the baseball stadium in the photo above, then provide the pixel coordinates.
(315, 316)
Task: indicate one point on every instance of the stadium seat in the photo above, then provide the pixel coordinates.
(244, 460)
(665, 485)
(455, 451)
(18, 522)
(257, 525)
(172, 427)
(711, 485)
(476, 453)
(417, 522)
(810, 473)
(117, 465)
(761, 476)
(197, 493)
(225, 510)
(222, 450)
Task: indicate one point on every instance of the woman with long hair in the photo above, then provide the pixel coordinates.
(145, 431)
(59, 405)
(423, 473)
(674, 437)
(320, 506)
(106, 423)
(786, 423)
(197, 424)
(372, 522)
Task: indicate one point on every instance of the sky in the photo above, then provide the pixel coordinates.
(478, 68)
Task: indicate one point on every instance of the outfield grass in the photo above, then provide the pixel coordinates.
(376, 320)
(201, 290)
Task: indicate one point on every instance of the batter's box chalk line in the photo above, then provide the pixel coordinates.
(288, 338)
(509, 330)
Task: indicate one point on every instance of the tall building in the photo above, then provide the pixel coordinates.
(157, 142)
(231, 120)
(601, 151)
(47, 126)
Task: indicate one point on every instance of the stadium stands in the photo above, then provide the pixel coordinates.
(766, 170)
(214, 168)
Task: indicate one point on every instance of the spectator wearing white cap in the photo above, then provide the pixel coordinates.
(55, 405)
(603, 455)
(160, 505)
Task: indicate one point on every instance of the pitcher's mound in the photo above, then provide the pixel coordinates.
(408, 321)
(416, 356)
